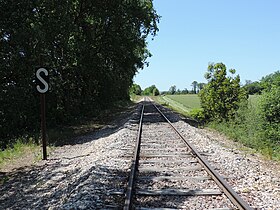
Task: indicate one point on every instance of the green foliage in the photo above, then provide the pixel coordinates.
(92, 50)
(195, 86)
(200, 86)
(271, 80)
(185, 91)
(198, 114)
(269, 106)
(20, 147)
(135, 89)
(149, 91)
(220, 98)
(249, 127)
(155, 92)
(253, 88)
(172, 90)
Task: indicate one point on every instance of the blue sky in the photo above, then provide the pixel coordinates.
(243, 34)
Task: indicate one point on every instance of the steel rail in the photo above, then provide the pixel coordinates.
(134, 163)
(226, 188)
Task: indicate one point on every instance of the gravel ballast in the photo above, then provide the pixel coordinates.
(93, 172)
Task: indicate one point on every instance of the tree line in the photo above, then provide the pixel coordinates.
(153, 90)
(149, 91)
(196, 88)
(92, 50)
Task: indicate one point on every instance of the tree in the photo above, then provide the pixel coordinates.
(178, 91)
(253, 87)
(92, 50)
(200, 86)
(220, 98)
(185, 91)
(270, 111)
(155, 92)
(135, 89)
(194, 84)
(270, 80)
(150, 90)
(172, 89)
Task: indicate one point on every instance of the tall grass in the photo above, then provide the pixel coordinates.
(248, 127)
(22, 146)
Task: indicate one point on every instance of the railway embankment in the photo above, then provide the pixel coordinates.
(93, 172)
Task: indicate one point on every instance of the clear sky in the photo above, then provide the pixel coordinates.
(243, 34)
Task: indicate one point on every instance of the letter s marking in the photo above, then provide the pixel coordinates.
(46, 85)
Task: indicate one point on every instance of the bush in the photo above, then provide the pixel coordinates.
(269, 106)
(220, 98)
(198, 114)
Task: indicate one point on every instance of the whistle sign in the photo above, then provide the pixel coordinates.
(42, 79)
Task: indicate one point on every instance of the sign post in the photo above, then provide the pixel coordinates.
(42, 77)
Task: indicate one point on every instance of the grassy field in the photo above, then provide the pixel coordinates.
(180, 103)
(190, 101)
(187, 102)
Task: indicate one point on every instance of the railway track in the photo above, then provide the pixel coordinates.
(167, 172)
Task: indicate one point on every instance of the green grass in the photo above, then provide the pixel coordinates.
(135, 98)
(189, 101)
(182, 104)
(18, 149)
(248, 136)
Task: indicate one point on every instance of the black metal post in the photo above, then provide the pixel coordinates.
(43, 124)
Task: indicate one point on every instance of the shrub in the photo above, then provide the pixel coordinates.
(220, 98)
(269, 106)
(198, 114)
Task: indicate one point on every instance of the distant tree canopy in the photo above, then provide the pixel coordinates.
(200, 86)
(149, 91)
(185, 91)
(270, 81)
(253, 87)
(265, 84)
(172, 90)
(135, 89)
(194, 85)
(92, 50)
(220, 98)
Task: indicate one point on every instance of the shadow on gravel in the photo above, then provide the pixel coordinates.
(49, 186)
(155, 117)
(112, 126)
(119, 124)
(60, 184)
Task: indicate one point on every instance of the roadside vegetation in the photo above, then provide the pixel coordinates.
(249, 114)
